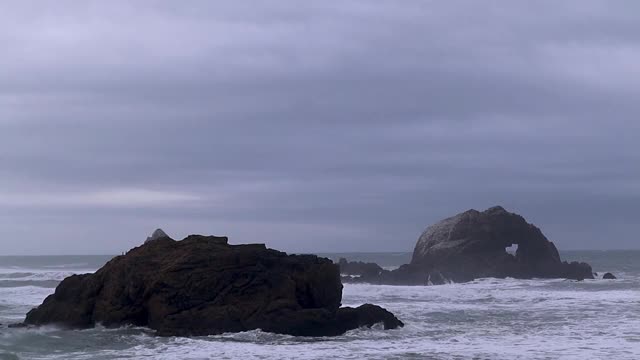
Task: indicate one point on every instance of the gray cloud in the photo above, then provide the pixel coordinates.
(341, 125)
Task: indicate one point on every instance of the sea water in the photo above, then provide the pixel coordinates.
(484, 319)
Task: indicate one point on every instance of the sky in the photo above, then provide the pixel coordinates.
(320, 126)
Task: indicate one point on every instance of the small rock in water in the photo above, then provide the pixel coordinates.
(17, 325)
(609, 276)
(359, 268)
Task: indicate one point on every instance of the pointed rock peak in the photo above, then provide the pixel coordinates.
(158, 234)
(496, 209)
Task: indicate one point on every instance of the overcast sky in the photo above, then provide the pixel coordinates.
(335, 125)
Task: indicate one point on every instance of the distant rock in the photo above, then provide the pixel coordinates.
(609, 276)
(487, 232)
(358, 268)
(158, 234)
(204, 286)
(473, 245)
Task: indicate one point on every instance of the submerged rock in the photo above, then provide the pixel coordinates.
(202, 286)
(609, 276)
(473, 245)
(17, 325)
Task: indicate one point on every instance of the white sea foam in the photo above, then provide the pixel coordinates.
(484, 319)
(39, 274)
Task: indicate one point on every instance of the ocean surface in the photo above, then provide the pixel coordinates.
(485, 319)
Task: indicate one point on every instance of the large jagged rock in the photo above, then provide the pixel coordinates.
(473, 244)
(202, 286)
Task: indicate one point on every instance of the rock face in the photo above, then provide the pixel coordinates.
(358, 268)
(202, 286)
(609, 276)
(473, 245)
(158, 234)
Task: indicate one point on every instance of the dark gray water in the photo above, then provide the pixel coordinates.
(485, 319)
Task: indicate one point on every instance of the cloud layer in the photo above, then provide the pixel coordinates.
(337, 126)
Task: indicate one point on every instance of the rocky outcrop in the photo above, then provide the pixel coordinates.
(609, 276)
(202, 286)
(158, 234)
(473, 245)
(358, 268)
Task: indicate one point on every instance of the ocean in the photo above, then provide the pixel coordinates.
(485, 319)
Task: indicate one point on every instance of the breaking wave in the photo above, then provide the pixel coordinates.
(484, 319)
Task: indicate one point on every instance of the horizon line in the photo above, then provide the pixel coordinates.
(307, 252)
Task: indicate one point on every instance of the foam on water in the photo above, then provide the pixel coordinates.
(506, 318)
(484, 319)
(39, 274)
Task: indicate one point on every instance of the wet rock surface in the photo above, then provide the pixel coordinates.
(473, 244)
(203, 286)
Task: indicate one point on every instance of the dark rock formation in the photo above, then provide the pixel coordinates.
(308, 323)
(367, 315)
(17, 325)
(358, 268)
(473, 245)
(609, 276)
(202, 285)
(158, 234)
